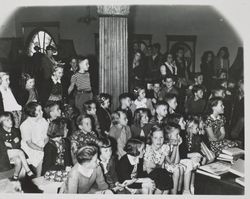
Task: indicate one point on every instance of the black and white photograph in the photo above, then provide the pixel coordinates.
(124, 98)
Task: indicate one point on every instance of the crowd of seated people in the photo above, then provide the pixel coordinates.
(151, 144)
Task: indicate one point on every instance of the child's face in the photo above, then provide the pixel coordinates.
(126, 102)
(56, 112)
(141, 149)
(162, 110)
(58, 73)
(199, 94)
(199, 80)
(106, 103)
(223, 75)
(169, 83)
(84, 65)
(170, 58)
(86, 125)
(156, 88)
(7, 122)
(174, 134)
(5, 81)
(173, 103)
(39, 112)
(163, 70)
(92, 110)
(193, 128)
(73, 63)
(157, 139)
(144, 118)
(220, 93)
(106, 152)
(66, 130)
(123, 119)
(30, 83)
(142, 94)
(182, 123)
(224, 84)
(219, 108)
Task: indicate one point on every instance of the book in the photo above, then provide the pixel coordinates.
(225, 159)
(233, 151)
(225, 156)
(208, 174)
(216, 168)
(240, 181)
(238, 168)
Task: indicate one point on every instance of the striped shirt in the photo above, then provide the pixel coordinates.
(82, 81)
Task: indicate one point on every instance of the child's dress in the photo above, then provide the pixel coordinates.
(219, 145)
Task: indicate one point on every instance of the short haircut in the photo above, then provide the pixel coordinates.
(172, 118)
(115, 117)
(170, 96)
(104, 142)
(170, 127)
(161, 103)
(124, 96)
(81, 58)
(57, 67)
(5, 115)
(214, 101)
(30, 109)
(56, 128)
(169, 76)
(138, 115)
(86, 153)
(87, 105)
(196, 88)
(132, 147)
(156, 45)
(103, 97)
(152, 130)
(49, 108)
(216, 89)
(80, 118)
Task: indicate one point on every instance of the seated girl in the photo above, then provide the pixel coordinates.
(215, 129)
(141, 126)
(141, 101)
(85, 173)
(154, 161)
(130, 169)
(84, 135)
(120, 132)
(34, 135)
(12, 139)
(57, 154)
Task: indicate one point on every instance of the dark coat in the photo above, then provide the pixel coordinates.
(125, 169)
(50, 154)
(104, 119)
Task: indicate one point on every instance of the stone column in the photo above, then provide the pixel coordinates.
(113, 51)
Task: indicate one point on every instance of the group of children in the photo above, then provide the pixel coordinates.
(151, 144)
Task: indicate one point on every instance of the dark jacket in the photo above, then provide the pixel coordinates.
(104, 119)
(50, 154)
(9, 137)
(125, 169)
(136, 130)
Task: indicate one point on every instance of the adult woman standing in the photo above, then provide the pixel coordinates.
(34, 135)
(221, 61)
(207, 70)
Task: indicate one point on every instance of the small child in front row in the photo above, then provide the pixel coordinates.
(120, 131)
(12, 139)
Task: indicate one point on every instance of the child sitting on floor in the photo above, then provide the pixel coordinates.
(12, 139)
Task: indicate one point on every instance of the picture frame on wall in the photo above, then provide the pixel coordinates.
(188, 43)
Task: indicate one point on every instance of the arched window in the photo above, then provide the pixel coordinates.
(41, 39)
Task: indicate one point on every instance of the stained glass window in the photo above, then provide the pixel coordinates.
(41, 39)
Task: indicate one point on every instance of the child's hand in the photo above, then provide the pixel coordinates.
(8, 144)
(16, 140)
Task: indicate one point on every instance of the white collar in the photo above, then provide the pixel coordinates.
(215, 118)
(133, 161)
(55, 81)
(84, 171)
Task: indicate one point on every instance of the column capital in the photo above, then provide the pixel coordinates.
(113, 10)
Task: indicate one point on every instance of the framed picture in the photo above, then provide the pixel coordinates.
(186, 42)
